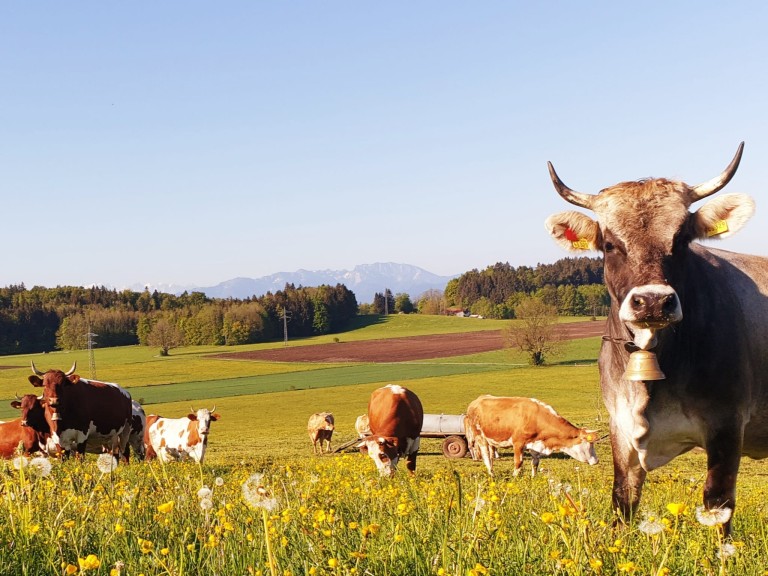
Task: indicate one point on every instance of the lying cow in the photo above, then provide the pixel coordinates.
(395, 416)
(179, 438)
(501, 422)
(320, 428)
(27, 434)
(84, 415)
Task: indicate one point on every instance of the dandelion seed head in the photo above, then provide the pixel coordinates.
(40, 466)
(651, 527)
(726, 551)
(713, 516)
(106, 463)
(204, 493)
(20, 462)
(219, 481)
(206, 503)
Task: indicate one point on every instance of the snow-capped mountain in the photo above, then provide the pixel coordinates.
(364, 280)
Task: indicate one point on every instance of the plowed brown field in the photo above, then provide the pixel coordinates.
(405, 349)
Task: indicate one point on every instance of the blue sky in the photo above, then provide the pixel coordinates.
(193, 142)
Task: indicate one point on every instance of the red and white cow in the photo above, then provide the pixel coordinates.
(527, 424)
(84, 415)
(320, 428)
(27, 434)
(179, 438)
(395, 416)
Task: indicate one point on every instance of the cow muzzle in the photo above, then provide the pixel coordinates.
(647, 309)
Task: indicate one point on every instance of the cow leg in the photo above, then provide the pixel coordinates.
(628, 476)
(723, 458)
(410, 462)
(535, 457)
(518, 447)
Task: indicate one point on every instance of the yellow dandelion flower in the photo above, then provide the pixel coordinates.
(333, 563)
(119, 528)
(69, 524)
(547, 517)
(399, 537)
(34, 528)
(71, 569)
(627, 567)
(554, 554)
(676, 508)
(90, 562)
(165, 551)
(165, 508)
(312, 571)
(596, 564)
(190, 547)
(146, 546)
(663, 571)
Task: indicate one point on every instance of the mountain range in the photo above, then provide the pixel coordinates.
(364, 280)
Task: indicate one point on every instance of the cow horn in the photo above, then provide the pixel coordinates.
(35, 370)
(16, 394)
(71, 370)
(213, 409)
(576, 198)
(711, 186)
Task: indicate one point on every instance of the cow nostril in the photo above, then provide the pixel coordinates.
(669, 303)
(638, 302)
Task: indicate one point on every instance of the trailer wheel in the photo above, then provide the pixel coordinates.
(454, 447)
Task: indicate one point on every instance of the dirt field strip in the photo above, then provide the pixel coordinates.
(405, 349)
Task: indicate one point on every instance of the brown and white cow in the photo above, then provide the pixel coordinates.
(172, 439)
(29, 433)
(494, 422)
(704, 312)
(320, 428)
(395, 416)
(85, 415)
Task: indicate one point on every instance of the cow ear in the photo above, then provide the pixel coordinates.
(591, 436)
(16, 404)
(74, 378)
(35, 380)
(722, 216)
(574, 231)
(215, 416)
(192, 416)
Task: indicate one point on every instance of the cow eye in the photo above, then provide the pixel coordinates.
(608, 247)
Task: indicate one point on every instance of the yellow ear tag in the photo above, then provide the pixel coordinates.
(581, 244)
(718, 228)
(591, 437)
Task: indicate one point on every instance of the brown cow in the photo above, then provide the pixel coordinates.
(395, 416)
(702, 311)
(85, 415)
(320, 428)
(527, 424)
(28, 433)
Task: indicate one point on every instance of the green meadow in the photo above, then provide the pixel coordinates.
(263, 504)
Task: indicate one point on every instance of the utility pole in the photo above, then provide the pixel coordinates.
(286, 316)
(91, 343)
(386, 301)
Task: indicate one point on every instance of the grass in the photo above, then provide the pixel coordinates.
(332, 515)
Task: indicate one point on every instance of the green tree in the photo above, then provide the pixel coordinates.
(403, 303)
(165, 335)
(534, 332)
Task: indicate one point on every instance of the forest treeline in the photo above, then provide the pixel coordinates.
(44, 319)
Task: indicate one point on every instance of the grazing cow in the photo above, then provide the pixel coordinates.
(179, 438)
(500, 422)
(138, 426)
(395, 416)
(704, 313)
(362, 427)
(320, 428)
(85, 415)
(28, 433)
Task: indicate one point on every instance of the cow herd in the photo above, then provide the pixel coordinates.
(392, 430)
(74, 415)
